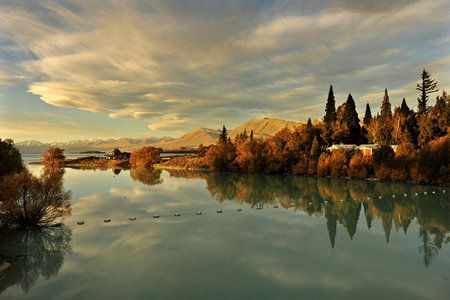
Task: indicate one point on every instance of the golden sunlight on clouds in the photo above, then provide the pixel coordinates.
(178, 64)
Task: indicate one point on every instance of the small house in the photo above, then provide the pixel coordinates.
(367, 149)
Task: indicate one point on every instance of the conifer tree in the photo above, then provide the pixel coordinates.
(426, 87)
(351, 119)
(330, 109)
(386, 111)
(223, 135)
(308, 124)
(367, 115)
(404, 109)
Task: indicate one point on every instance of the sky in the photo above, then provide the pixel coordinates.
(90, 69)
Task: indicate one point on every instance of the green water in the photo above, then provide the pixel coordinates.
(295, 238)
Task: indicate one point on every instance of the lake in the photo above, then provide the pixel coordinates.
(276, 237)
(36, 157)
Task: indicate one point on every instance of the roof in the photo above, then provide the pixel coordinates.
(342, 146)
(368, 146)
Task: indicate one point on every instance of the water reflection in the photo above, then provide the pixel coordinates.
(146, 176)
(33, 254)
(302, 249)
(341, 202)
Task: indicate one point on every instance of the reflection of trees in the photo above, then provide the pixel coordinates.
(33, 254)
(341, 201)
(147, 176)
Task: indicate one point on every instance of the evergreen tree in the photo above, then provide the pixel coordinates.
(386, 111)
(351, 120)
(251, 135)
(330, 109)
(309, 124)
(426, 87)
(404, 109)
(367, 116)
(223, 135)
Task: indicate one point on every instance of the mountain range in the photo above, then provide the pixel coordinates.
(263, 128)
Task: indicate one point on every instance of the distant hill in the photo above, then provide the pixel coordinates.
(261, 128)
(126, 144)
(191, 139)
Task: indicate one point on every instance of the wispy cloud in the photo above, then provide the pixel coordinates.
(180, 64)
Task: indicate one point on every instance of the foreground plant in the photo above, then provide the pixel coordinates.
(30, 201)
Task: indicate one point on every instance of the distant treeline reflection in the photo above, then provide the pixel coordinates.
(341, 202)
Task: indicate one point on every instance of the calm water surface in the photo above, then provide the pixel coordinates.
(295, 238)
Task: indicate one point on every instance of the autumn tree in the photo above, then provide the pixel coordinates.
(221, 156)
(10, 158)
(330, 109)
(405, 128)
(250, 154)
(145, 157)
(53, 157)
(426, 87)
(30, 201)
(436, 122)
(380, 128)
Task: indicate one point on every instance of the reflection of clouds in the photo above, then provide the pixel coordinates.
(270, 253)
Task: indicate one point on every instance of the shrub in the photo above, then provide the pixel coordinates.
(10, 158)
(360, 166)
(53, 157)
(29, 201)
(323, 165)
(383, 172)
(145, 157)
(338, 163)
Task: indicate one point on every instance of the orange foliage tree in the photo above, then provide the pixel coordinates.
(30, 201)
(145, 157)
(53, 157)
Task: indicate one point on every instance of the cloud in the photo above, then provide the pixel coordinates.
(181, 65)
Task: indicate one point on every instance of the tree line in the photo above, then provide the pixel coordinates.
(422, 137)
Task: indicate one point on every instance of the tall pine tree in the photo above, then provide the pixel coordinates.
(404, 109)
(426, 87)
(386, 111)
(223, 135)
(351, 119)
(367, 116)
(330, 109)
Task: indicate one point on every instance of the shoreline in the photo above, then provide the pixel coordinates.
(94, 163)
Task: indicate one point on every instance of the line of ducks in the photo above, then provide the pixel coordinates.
(219, 211)
(178, 214)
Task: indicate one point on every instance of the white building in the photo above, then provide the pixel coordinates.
(366, 149)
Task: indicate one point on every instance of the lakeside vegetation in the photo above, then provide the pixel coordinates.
(26, 200)
(422, 142)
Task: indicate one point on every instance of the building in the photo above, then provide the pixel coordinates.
(366, 149)
(341, 146)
